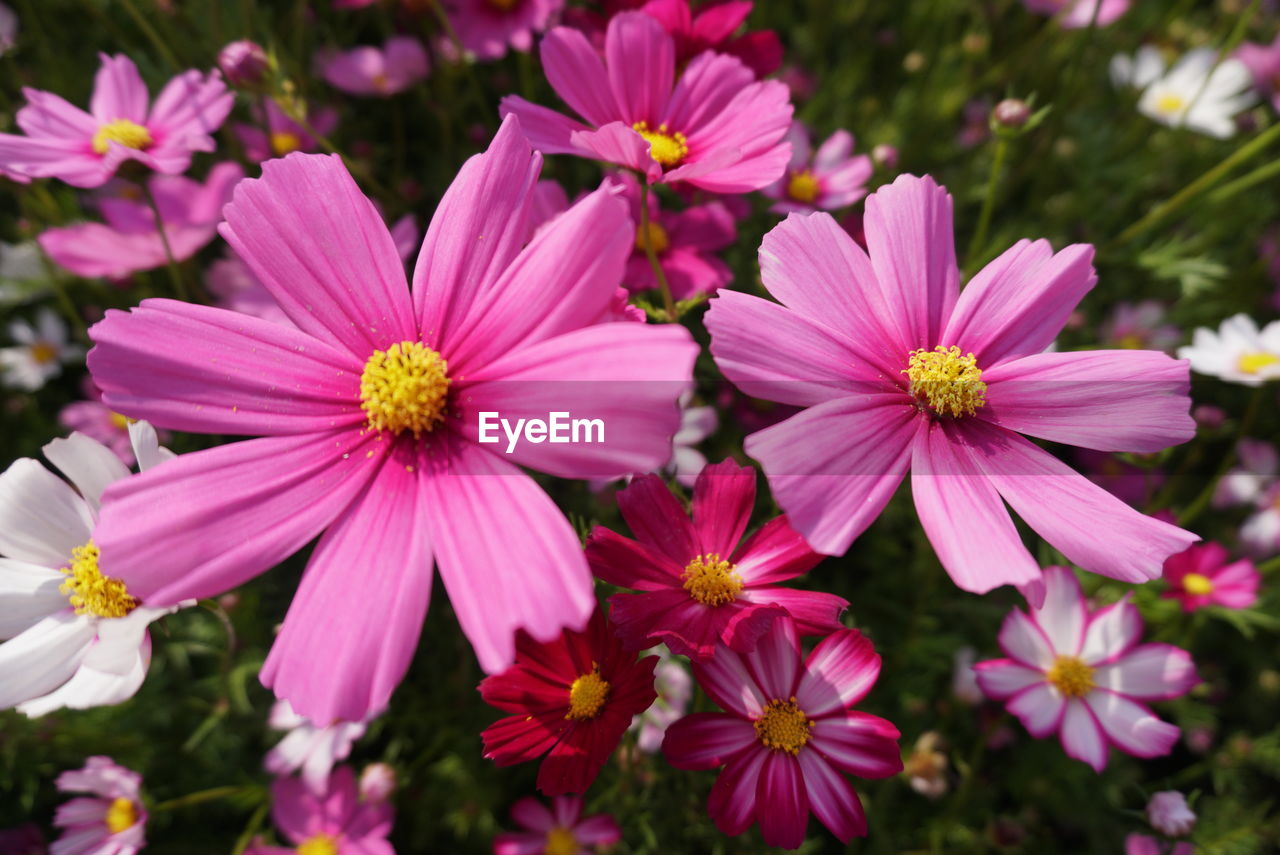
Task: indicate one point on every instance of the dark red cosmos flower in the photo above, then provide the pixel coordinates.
(696, 585)
(573, 697)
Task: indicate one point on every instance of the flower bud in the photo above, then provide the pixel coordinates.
(1011, 113)
(885, 156)
(377, 782)
(244, 63)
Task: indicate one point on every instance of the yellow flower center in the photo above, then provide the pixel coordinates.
(803, 186)
(319, 844)
(1072, 677)
(711, 580)
(43, 352)
(119, 422)
(1169, 103)
(379, 81)
(91, 593)
(587, 695)
(283, 142)
(128, 134)
(654, 237)
(666, 147)
(560, 841)
(121, 814)
(404, 387)
(1197, 584)
(783, 726)
(949, 382)
(1252, 363)
(1132, 341)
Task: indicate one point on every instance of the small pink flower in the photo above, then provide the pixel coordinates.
(1263, 62)
(129, 241)
(828, 179)
(335, 820)
(697, 586)
(712, 28)
(1169, 814)
(1140, 326)
(487, 27)
(714, 126)
(788, 732)
(85, 149)
(399, 64)
(282, 134)
(113, 822)
(1202, 576)
(562, 830)
(1083, 675)
(1076, 14)
(1141, 844)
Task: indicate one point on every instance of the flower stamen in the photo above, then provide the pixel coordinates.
(318, 844)
(1252, 363)
(128, 134)
(804, 186)
(1072, 676)
(587, 695)
(405, 387)
(560, 841)
(121, 814)
(91, 593)
(783, 726)
(665, 146)
(1197, 584)
(951, 383)
(655, 238)
(711, 580)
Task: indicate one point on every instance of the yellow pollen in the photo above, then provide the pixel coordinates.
(1170, 103)
(43, 352)
(666, 147)
(1252, 363)
(1197, 584)
(91, 593)
(949, 382)
(128, 134)
(560, 841)
(1131, 341)
(587, 695)
(1072, 677)
(118, 421)
(657, 238)
(711, 580)
(283, 142)
(803, 186)
(320, 844)
(405, 387)
(783, 726)
(121, 814)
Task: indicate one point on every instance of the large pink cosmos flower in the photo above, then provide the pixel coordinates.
(129, 241)
(85, 149)
(335, 820)
(900, 370)
(1083, 674)
(370, 415)
(1204, 575)
(487, 27)
(716, 127)
(789, 729)
(697, 586)
(384, 71)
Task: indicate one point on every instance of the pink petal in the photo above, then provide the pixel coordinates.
(205, 522)
(832, 798)
(500, 577)
(962, 513)
(599, 831)
(1039, 708)
(628, 564)
(1064, 613)
(1082, 737)
(814, 612)
(858, 743)
(118, 91)
(45, 158)
(323, 251)
(775, 553)
(1024, 642)
(618, 143)
(732, 804)
(1111, 632)
(782, 790)
(1001, 679)
(641, 59)
(775, 663)
(658, 519)
(1132, 727)
(709, 83)
(546, 130)
(1109, 400)
(577, 74)
(727, 681)
(208, 370)
(190, 108)
(1152, 672)
(335, 662)
(835, 466)
(723, 498)
(1018, 303)
(707, 740)
(47, 115)
(532, 814)
(838, 674)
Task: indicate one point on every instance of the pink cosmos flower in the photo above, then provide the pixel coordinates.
(713, 28)
(1076, 14)
(1141, 844)
(1170, 815)
(901, 371)
(487, 27)
(113, 822)
(685, 242)
(1256, 482)
(85, 149)
(1202, 576)
(715, 127)
(828, 179)
(335, 820)
(1263, 62)
(129, 241)
(562, 830)
(1082, 674)
(697, 585)
(1140, 326)
(399, 64)
(309, 747)
(788, 731)
(95, 420)
(283, 135)
(369, 413)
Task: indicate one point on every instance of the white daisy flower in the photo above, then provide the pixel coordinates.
(305, 746)
(1199, 92)
(1238, 352)
(39, 353)
(76, 638)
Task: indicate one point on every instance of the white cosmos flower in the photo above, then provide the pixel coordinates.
(1238, 352)
(1199, 92)
(40, 351)
(312, 749)
(76, 639)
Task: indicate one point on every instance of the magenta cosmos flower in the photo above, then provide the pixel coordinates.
(900, 370)
(788, 732)
(560, 830)
(384, 71)
(714, 27)
(85, 149)
(112, 820)
(715, 127)
(698, 586)
(1263, 62)
(486, 28)
(334, 821)
(370, 411)
(828, 179)
(1083, 675)
(1204, 575)
(129, 241)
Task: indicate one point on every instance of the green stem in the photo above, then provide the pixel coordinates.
(664, 286)
(198, 797)
(988, 204)
(1269, 566)
(1244, 182)
(1201, 501)
(175, 274)
(251, 829)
